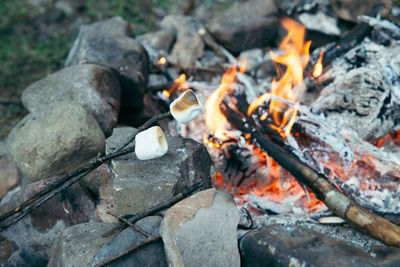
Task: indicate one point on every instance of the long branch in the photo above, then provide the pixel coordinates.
(335, 200)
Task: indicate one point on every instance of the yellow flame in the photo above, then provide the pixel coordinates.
(318, 66)
(294, 55)
(162, 61)
(214, 118)
(179, 84)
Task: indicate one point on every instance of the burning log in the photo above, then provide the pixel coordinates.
(339, 203)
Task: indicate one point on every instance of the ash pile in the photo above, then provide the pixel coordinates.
(300, 117)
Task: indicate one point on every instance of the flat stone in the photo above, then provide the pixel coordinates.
(294, 245)
(189, 45)
(150, 255)
(94, 87)
(78, 244)
(109, 43)
(55, 140)
(253, 24)
(140, 184)
(201, 231)
(29, 241)
(106, 200)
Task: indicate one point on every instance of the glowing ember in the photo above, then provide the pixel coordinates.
(162, 61)
(214, 118)
(179, 84)
(268, 180)
(294, 55)
(318, 66)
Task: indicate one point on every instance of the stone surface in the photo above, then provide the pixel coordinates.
(106, 200)
(55, 140)
(159, 40)
(201, 231)
(29, 241)
(109, 43)
(150, 255)
(95, 88)
(8, 171)
(189, 45)
(140, 184)
(250, 25)
(288, 244)
(350, 9)
(78, 244)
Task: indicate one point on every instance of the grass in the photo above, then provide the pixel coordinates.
(28, 52)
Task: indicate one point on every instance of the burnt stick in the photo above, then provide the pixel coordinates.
(129, 250)
(335, 200)
(347, 42)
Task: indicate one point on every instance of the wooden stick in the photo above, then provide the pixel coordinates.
(335, 200)
(129, 250)
(64, 182)
(159, 207)
(134, 226)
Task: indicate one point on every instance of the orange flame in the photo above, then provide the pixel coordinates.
(294, 55)
(162, 61)
(318, 66)
(179, 84)
(214, 118)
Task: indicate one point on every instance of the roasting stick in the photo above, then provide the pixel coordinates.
(335, 200)
(12, 216)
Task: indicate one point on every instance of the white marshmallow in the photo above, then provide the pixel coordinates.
(186, 107)
(151, 144)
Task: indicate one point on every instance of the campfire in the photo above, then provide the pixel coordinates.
(302, 126)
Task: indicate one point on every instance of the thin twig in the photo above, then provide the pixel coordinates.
(64, 182)
(159, 207)
(129, 250)
(134, 226)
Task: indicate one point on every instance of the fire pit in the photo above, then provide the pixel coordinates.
(300, 117)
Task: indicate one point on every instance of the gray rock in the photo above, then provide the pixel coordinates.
(159, 40)
(189, 45)
(106, 201)
(29, 241)
(150, 255)
(109, 43)
(78, 244)
(54, 140)
(94, 87)
(140, 184)
(201, 231)
(250, 25)
(278, 245)
(8, 171)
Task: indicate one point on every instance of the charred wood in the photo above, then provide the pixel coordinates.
(335, 200)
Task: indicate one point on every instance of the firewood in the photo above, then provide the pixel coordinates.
(335, 200)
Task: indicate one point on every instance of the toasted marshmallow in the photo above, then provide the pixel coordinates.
(186, 107)
(151, 144)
